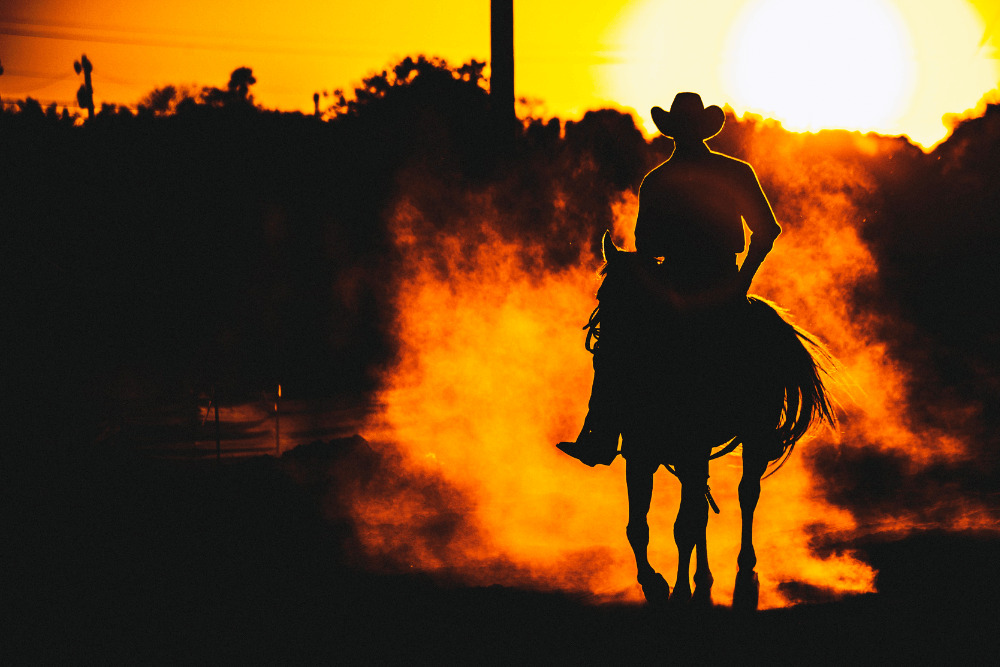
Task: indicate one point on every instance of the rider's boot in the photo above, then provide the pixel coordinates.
(598, 440)
(596, 444)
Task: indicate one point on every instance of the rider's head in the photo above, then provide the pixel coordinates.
(689, 120)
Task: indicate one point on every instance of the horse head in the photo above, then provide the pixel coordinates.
(608, 247)
(636, 281)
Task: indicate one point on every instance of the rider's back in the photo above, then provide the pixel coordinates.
(691, 211)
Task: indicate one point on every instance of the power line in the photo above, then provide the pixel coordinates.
(174, 40)
(47, 80)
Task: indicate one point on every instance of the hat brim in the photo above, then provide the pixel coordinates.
(705, 125)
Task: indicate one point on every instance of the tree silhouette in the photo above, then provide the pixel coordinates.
(239, 85)
(614, 141)
(378, 86)
(237, 92)
(31, 108)
(160, 100)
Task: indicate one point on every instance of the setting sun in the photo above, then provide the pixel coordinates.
(853, 69)
(885, 66)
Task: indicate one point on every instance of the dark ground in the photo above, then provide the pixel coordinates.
(121, 558)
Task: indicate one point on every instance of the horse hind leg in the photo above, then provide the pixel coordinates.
(747, 588)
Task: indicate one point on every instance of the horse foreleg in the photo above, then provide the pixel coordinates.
(639, 481)
(689, 531)
(745, 593)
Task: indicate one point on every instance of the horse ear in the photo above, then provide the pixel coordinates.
(608, 246)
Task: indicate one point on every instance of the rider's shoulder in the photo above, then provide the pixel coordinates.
(653, 174)
(728, 161)
(718, 163)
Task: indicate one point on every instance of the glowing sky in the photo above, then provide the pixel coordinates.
(895, 66)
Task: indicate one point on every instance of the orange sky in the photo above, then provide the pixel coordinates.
(930, 56)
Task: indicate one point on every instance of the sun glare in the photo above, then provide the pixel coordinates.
(887, 66)
(848, 64)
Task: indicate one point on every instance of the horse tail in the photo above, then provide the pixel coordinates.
(795, 361)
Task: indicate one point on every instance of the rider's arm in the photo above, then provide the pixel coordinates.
(764, 228)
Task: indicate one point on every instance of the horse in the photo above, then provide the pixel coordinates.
(678, 376)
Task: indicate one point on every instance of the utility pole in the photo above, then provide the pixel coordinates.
(502, 71)
(85, 95)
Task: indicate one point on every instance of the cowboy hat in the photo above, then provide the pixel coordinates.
(688, 116)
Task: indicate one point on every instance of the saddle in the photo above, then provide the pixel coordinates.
(668, 372)
(658, 368)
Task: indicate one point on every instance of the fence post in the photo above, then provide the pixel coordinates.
(277, 424)
(218, 434)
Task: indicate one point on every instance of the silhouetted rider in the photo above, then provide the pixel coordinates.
(691, 213)
(690, 207)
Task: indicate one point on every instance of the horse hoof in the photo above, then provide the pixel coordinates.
(702, 596)
(681, 596)
(746, 592)
(655, 588)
